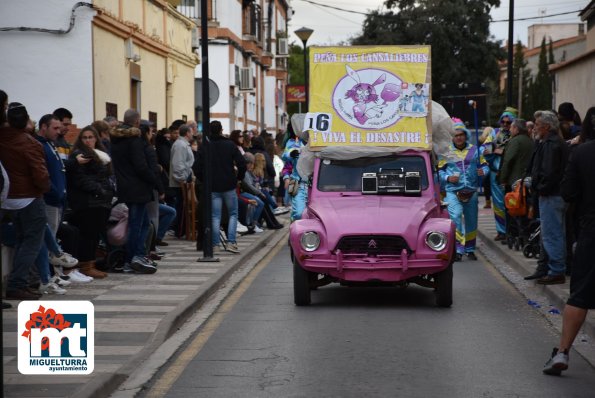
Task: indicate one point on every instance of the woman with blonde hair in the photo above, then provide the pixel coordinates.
(259, 173)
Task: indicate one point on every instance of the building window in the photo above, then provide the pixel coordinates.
(252, 20)
(153, 118)
(184, 118)
(111, 109)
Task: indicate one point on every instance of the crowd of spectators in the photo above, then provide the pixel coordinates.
(551, 157)
(58, 195)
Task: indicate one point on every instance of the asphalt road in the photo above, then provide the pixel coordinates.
(375, 342)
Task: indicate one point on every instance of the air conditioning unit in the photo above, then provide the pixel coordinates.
(195, 38)
(282, 47)
(246, 79)
(130, 53)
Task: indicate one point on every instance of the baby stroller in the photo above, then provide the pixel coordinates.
(532, 248)
(518, 221)
(115, 244)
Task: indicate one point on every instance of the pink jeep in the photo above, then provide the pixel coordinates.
(374, 220)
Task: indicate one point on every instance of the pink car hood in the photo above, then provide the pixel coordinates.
(372, 215)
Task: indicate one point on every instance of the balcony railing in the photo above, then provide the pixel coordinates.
(191, 8)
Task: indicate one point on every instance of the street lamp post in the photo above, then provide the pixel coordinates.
(304, 34)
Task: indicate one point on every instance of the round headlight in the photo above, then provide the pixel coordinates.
(436, 240)
(310, 241)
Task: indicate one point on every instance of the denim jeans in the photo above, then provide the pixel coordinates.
(259, 206)
(552, 211)
(30, 225)
(269, 199)
(231, 202)
(167, 215)
(43, 259)
(54, 215)
(138, 229)
(298, 202)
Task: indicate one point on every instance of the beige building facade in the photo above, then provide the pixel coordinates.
(143, 58)
(117, 54)
(574, 79)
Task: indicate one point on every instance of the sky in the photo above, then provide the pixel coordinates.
(333, 26)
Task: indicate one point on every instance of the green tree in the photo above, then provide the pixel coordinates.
(551, 59)
(296, 72)
(296, 64)
(541, 89)
(457, 30)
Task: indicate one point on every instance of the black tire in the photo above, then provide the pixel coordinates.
(301, 285)
(443, 281)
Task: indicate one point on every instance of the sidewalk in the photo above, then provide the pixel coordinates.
(134, 315)
(522, 266)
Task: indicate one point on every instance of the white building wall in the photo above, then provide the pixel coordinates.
(219, 73)
(229, 15)
(556, 31)
(270, 86)
(66, 76)
(576, 83)
(563, 53)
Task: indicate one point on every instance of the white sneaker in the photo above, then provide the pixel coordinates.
(65, 260)
(232, 248)
(280, 210)
(61, 282)
(241, 228)
(257, 229)
(50, 288)
(77, 277)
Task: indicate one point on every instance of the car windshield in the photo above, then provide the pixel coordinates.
(346, 175)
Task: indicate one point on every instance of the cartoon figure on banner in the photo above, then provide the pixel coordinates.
(418, 99)
(365, 97)
(360, 104)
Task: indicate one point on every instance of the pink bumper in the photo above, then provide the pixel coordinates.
(365, 269)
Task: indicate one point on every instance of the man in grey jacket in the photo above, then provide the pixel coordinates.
(180, 171)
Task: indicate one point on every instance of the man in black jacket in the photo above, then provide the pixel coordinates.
(135, 184)
(577, 187)
(228, 167)
(546, 173)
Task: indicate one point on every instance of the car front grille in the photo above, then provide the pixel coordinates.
(373, 245)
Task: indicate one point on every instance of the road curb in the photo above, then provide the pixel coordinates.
(104, 385)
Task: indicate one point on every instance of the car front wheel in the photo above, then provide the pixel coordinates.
(301, 285)
(443, 281)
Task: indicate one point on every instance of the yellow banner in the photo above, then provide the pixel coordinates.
(370, 96)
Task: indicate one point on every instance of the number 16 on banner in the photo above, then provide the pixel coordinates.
(318, 121)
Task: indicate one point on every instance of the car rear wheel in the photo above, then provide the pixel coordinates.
(443, 281)
(301, 285)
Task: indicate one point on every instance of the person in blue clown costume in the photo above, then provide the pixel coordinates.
(291, 155)
(492, 149)
(459, 173)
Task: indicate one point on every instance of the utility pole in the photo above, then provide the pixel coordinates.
(520, 104)
(510, 52)
(206, 144)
